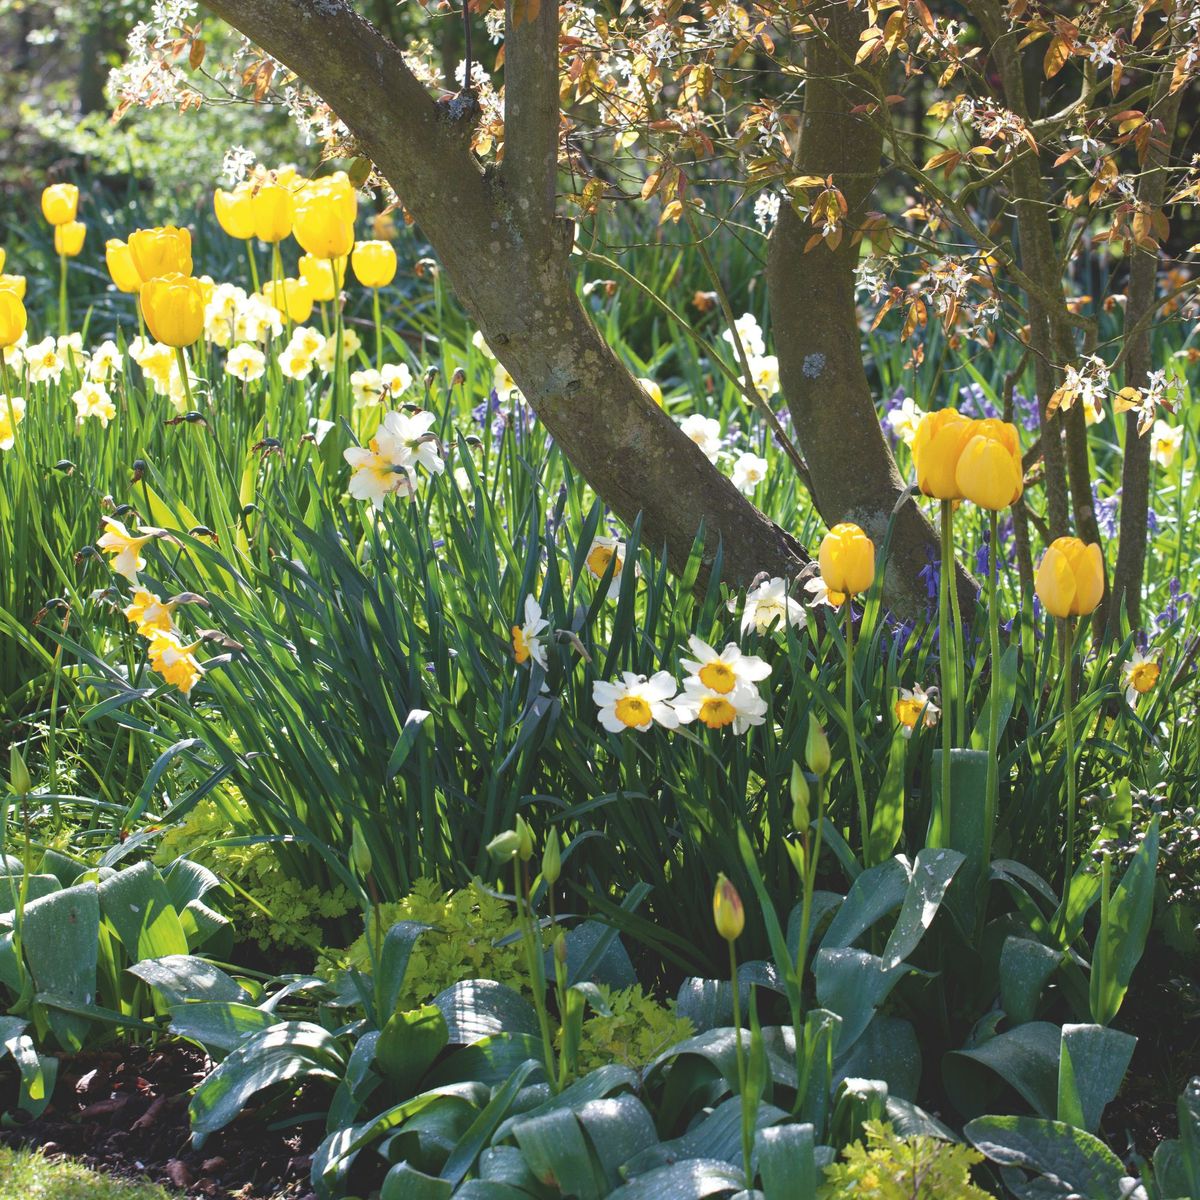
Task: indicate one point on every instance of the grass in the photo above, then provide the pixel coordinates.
(30, 1175)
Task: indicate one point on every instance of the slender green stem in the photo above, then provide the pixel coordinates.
(946, 664)
(338, 348)
(63, 316)
(993, 767)
(531, 937)
(378, 329)
(747, 1132)
(852, 734)
(960, 657)
(253, 265)
(1067, 656)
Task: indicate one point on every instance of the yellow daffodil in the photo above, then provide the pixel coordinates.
(914, 706)
(124, 547)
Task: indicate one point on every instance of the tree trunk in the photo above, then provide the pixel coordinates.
(815, 322)
(506, 256)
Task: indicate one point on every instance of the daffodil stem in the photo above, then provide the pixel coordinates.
(747, 1128)
(852, 734)
(532, 939)
(1066, 648)
(992, 799)
(946, 665)
(63, 316)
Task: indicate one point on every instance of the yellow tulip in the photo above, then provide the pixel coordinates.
(60, 202)
(321, 228)
(292, 297)
(12, 319)
(728, 914)
(14, 284)
(68, 238)
(173, 306)
(166, 250)
(322, 281)
(235, 211)
(119, 260)
(273, 211)
(374, 263)
(847, 559)
(1070, 578)
(939, 442)
(989, 471)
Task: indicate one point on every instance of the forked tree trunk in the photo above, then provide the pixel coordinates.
(817, 336)
(506, 256)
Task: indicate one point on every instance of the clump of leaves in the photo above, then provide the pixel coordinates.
(470, 922)
(637, 1031)
(890, 1167)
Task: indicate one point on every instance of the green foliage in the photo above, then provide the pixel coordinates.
(887, 1166)
(637, 1029)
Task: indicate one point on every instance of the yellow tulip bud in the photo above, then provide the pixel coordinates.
(323, 275)
(165, 250)
(173, 306)
(273, 211)
(847, 559)
(728, 914)
(68, 238)
(816, 749)
(60, 203)
(12, 319)
(374, 263)
(989, 471)
(292, 297)
(235, 211)
(1070, 578)
(119, 260)
(940, 440)
(14, 284)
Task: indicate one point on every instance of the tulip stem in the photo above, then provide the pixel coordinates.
(946, 667)
(253, 265)
(63, 316)
(851, 733)
(960, 656)
(992, 799)
(747, 1128)
(1066, 649)
(338, 347)
(378, 330)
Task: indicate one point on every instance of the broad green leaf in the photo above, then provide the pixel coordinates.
(408, 1045)
(715, 1136)
(1025, 966)
(398, 945)
(479, 1008)
(403, 1182)
(1072, 1157)
(886, 1050)
(61, 939)
(932, 873)
(690, 1180)
(183, 977)
(853, 984)
(1188, 1109)
(887, 821)
(1026, 1058)
(786, 1162)
(558, 1154)
(218, 1025)
(137, 904)
(873, 895)
(619, 1127)
(968, 821)
(1091, 1068)
(463, 1157)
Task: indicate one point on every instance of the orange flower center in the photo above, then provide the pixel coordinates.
(718, 676)
(599, 559)
(520, 644)
(716, 712)
(633, 711)
(1143, 677)
(908, 711)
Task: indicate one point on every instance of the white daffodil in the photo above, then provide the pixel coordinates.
(1139, 675)
(366, 387)
(505, 385)
(768, 606)
(705, 432)
(245, 362)
(294, 363)
(12, 413)
(748, 472)
(749, 333)
(124, 547)
(406, 440)
(742, 707)
(1165, 441)
(636, 702)
(606, 550)
(43, 361)
(104, 362)
(395, 379)
(722, 672)
(477, 340)
(913, 706)
(764, 370)
(527, 638)
(905, 419)
(327, 355)
(93, 400)
(374, 476)
(821, 594)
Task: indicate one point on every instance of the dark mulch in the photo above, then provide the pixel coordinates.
(124, 1111)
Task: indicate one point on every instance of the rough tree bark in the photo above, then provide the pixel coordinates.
(817, 336)
(506, 254)
(1139, 306)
